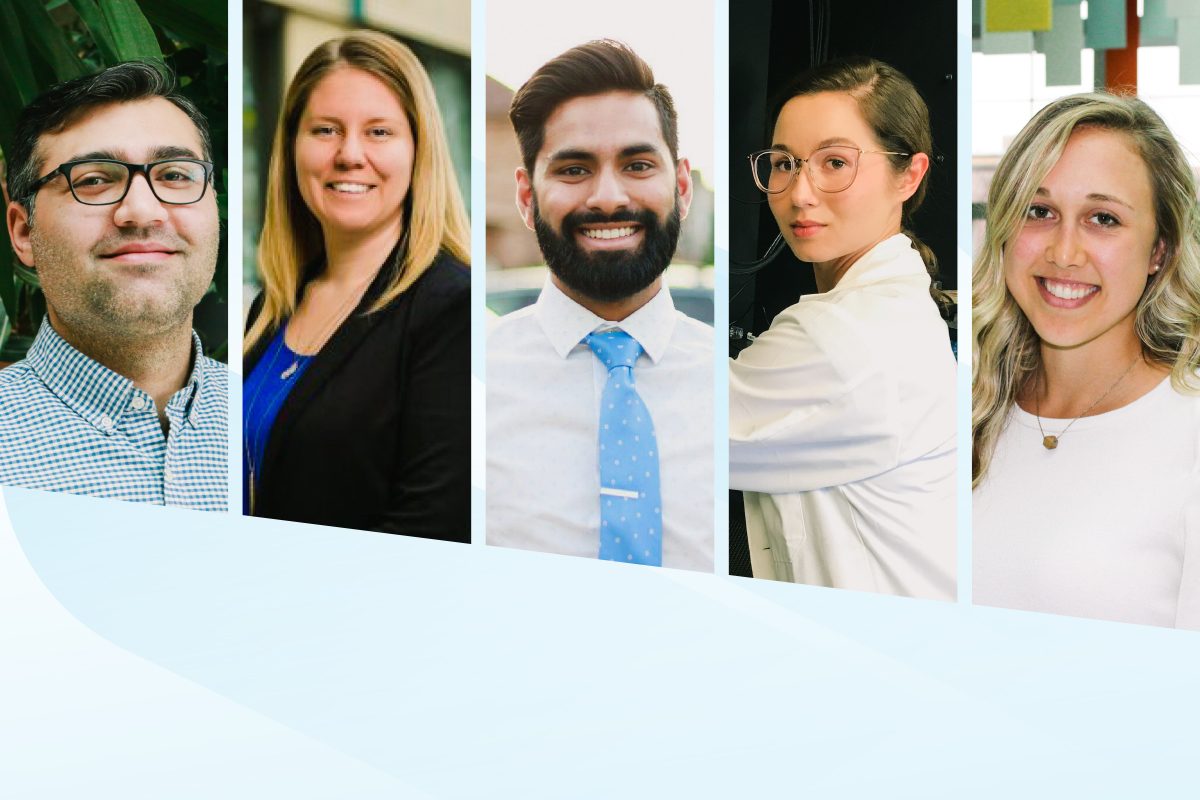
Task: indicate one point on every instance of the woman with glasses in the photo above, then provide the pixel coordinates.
(842, 414)
(357, 393)
(1085, 419)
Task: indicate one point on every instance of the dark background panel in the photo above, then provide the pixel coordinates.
(771, 41)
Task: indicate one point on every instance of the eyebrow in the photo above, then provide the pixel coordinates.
(1095, 197)
(823, 143)
(157, 154)
(579, 154)
(333, 118)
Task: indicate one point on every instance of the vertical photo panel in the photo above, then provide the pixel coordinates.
(113, 268)
(1086, 304)
(842, 305)
(356, 403)
(599, 282)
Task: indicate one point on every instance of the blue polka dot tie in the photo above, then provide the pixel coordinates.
(630, 503)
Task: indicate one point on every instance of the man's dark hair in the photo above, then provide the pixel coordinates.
(589, 69)
(62, 105)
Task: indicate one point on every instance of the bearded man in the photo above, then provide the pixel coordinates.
(599, 396)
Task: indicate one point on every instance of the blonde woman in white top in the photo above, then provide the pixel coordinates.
(1087, 322)
(842, 414)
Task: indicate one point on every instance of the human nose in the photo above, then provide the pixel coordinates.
(802, 191)
(1065, 248)
(140, 206)
(608, 192)
(350, 152)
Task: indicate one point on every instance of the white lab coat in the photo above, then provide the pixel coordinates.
(842, 435)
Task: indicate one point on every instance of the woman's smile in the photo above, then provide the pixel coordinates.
(1079, 263)
(1066, 294)
(354, 154)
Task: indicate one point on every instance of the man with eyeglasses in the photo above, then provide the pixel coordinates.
(111, 205)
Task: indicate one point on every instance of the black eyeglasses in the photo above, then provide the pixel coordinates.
(106, 181)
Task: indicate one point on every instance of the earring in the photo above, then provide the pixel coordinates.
(1154, 269)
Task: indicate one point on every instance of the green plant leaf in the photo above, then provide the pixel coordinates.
(14, 58)
(50, 42)
(132, 34)
(102, 34)
(200, 21)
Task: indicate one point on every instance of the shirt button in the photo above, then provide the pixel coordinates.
(139, 402)
(105, 422)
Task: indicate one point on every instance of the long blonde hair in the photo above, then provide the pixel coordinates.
(435, 219)
(1007, 351)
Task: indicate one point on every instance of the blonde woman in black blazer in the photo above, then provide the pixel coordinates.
(356, 403)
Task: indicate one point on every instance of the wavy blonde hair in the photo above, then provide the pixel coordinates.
(1007, 352)
(434, 216)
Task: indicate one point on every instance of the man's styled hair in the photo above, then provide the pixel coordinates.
(62, 105)
(594, 68)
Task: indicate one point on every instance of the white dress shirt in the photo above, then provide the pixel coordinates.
(543, 411)
(1107, 525)
(842, 434)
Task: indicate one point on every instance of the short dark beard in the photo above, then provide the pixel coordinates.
(609, 276)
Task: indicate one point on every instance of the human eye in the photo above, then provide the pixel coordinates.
(835, 159)
(1104, 219)
(640, 166)
(91, 179)
(322, 130)
(1038, 213)
(379, 132)
(572, 171)
(782, 162)
(88, 176)
(177, 174)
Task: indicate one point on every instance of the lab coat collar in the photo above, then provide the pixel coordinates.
(566, 323)
(892, 258)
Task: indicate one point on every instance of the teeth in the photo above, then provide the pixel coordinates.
(607, 233)
(1068, 291)
(353, 188)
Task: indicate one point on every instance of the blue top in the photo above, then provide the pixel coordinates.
(70, 424)
(264, 391)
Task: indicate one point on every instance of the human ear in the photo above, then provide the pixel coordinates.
(525, 196)
(20, 233)
(683, 183)
(910, 179)
(1157, 256)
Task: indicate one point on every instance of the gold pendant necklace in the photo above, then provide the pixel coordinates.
(1050, 441)
(307, 349)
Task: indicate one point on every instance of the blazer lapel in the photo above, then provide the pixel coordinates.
(328, 362)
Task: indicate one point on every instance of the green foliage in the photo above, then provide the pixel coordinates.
(43, 42)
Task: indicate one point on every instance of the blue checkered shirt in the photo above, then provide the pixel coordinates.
(70, 424)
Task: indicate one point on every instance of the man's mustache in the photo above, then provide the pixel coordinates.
(577, 219)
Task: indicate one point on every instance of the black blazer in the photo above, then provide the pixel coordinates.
(376, 434)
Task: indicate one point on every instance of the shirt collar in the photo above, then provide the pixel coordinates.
(566, 323)
(892, 258)
(92, 390)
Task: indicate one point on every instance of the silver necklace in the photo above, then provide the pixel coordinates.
(1051, 442)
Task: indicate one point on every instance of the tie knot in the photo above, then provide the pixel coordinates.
(614, 348)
